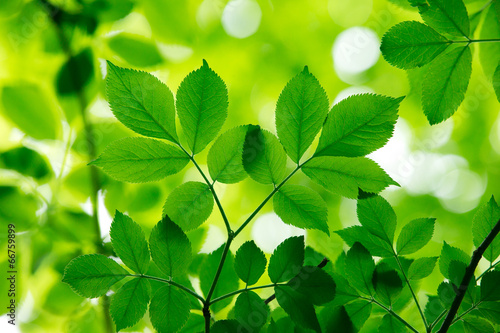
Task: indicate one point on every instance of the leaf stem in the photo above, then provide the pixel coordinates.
(463, 314)
(411, 289)
(394, 314)
(215, 300)
(173, 283)
(488, 40)
(468, 276)
(436, 321)
(487, 270)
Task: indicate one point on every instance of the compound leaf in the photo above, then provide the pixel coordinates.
(412, 44)
(483, 222)
(225, 157)
(141, 102)
(130, 302)
(140, 160)
(298, 307)
(446, 16)
(189, 205)
(345, 175)
(375, 245)
(301, 207)
(359, 268)
(314, 283)
(202, 103)
(92, 275)
(287, 259)
(448, 254)
(422, 268)
(263, 156)
(169, 310)
(415, 235)
(445, 84)
(251, 311)
(358, 125)
(300, 113)
(250, 263)
(378, 217)
(170, 248)
(129, 243)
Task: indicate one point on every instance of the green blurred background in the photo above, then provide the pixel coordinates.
(256, 46)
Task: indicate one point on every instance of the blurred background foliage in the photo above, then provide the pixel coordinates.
(52, 99)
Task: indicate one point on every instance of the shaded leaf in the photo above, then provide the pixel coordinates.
(490, 288)
(336, 318)
(387, 283)
(375, 245)
(286, 260)
(484, 220)
(359, 268)
(298, 307)
(26, 161)
(76, 73)
(250, 263)
(449, 253)
(359, 312)
(251, 311)
(314, 283)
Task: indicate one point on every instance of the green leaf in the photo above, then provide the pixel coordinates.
(422, 268)
(29, 108)
(76, 73)
(300, 113)
(391, 325)
(202, 106)
(287, 259)
(378, 217)
(92, 275)
(445, 84)
(129, 243)
(169, 309)
(263, 156)
(415, 235)
(302, 207)
(314, 283)
(225, 326)
(490, 311)
(490, 288)
(477, 325)
(298, 307)
(225, 157)
(449, 253)
(336, 318)
(135, 50)
(359, 268)
(189, 205)
(130, 302)
(140, 160)
(344, 292)
(344, 175)
(195, 323)
(388, 284)
(251, 311)
(170, 248)
(250, 263)
(484, 220)
(412, 44)
(358, 125)
(496, 82)
(228, 280)
(141, 102)
(488, 52)
(359, 312)
(446, 16)
(375, 245)
(25, 161)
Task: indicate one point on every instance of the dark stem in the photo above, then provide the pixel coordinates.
(469, 274)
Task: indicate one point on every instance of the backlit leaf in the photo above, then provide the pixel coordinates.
(415, 235)
(314, 283)
(169, 309)
(378, 217)
(359, 268)
(422, 268)
(251, 311)
(287, 259)
(446, 16)
(449, 253)
(130, 302)
(250, 263)
(484, 220)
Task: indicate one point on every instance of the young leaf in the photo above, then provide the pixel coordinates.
(359, 312)
(301, 207)
(263, 156)
(375, 245)
(170, 248)
(286, 260)
(130, 302)
(250, 263)
(189, 205)
(140, 160)
(344, 175)
(359, 268)
(412, 44)
(422, 268)
(477, 325)
(228, 280)
(225, 157)
(251, 311)
(314, 283)
(92, 275)
(449, 253)
(391, 325)
(298, 307)
(446, 16)
(300, 113)
(483, 222)
(415, 235)
(490, 288)
(378, 217)
(336, 318)
(202, 106)
(169, 309)
(141, 102)
(358, 125)
(445, 84)
(129, 243)
(388, 284)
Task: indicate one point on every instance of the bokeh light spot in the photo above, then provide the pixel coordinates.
(241, 18)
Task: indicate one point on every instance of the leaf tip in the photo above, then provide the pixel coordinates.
(305, 70)
(205, 64)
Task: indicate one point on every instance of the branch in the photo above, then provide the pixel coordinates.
(469, 274)
(241, 291)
